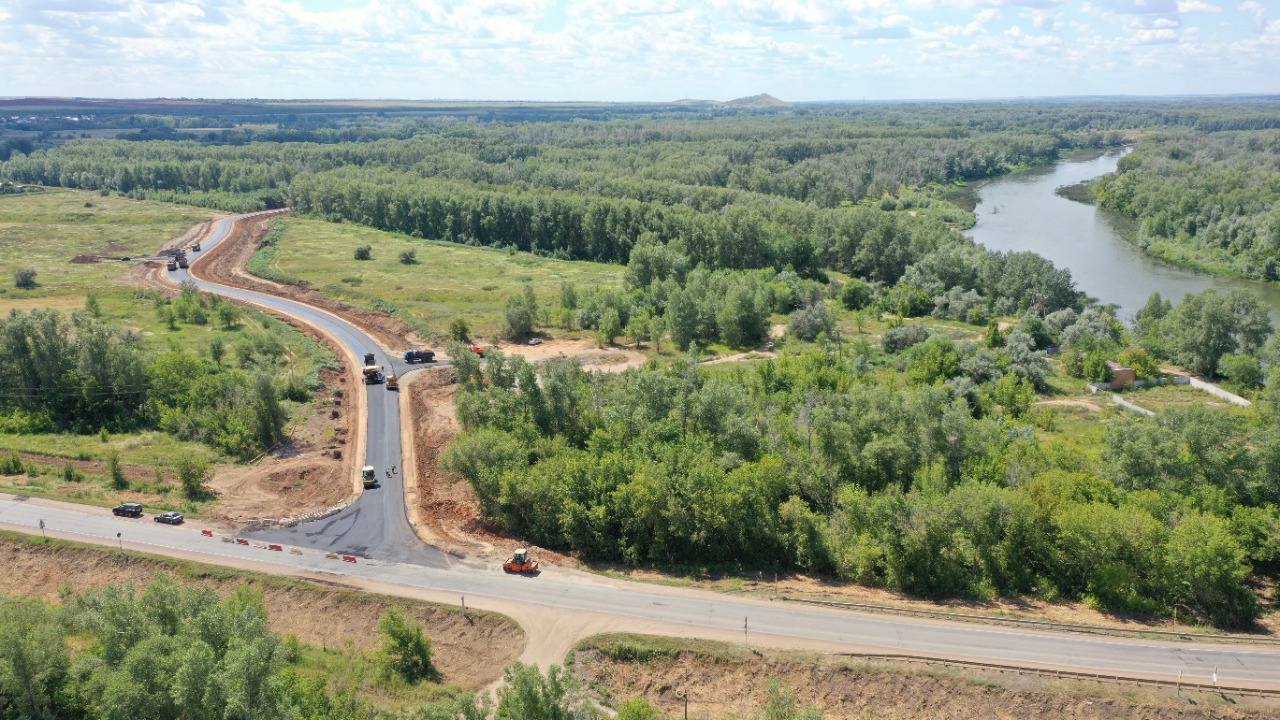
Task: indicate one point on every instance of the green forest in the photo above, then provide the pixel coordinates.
(899, 439)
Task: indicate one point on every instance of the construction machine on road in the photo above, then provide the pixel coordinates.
(369, 476)
(520, 562)
(393, 382)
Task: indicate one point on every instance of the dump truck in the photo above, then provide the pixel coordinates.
(195, 247)
(373, 375)
(369, 359)
(520, 562)
(414, 356)
(182, 262)
(369, 476)
(173, 265)
(393, 382)
(477, 349)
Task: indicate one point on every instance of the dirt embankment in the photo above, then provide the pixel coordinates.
(470, 653)
(447, 514)
(847, 689)
(226, 264)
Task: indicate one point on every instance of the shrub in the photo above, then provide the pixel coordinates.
(118, 480)
(364, 252)
(193, 474)
(408, 257)
(24, 278)
(12, 465)
(70, 474)
(459, 330)
(406, 650)
(897, 339)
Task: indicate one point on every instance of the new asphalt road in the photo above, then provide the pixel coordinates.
(376, 525)
(377, 529)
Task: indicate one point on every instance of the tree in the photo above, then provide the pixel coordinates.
(24, 278)
(227, 314)
(1208, 325)
(91, 305)
(855, 295)
(527, 694)
(269, 414)
(1208, 571)
(807, 323)
(409, 257)
(459, 330)
(406, 650)
(217, 350)
(364, 252)
(637, 708)
(34, 660)
(118, 479)
(1243, 372)
(610, 327)
(193, 474)
(682, 319)
(517, 318)
(639, 327)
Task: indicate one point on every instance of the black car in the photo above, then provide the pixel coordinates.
(169, 518)
(127, 510)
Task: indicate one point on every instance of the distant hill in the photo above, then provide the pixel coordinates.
(762, 100)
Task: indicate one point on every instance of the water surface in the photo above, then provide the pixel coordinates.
(1021, 211)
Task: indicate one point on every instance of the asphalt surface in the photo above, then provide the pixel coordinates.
(698, 611)
(377, 524)
(377, 530)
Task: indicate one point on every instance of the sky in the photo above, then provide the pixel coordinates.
(637, 50)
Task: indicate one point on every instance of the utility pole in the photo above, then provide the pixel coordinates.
(744, 632)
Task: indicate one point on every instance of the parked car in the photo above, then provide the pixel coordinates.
(169, 518)
(127, 510)
(535, 341)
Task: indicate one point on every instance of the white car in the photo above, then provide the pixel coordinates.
(535, 341)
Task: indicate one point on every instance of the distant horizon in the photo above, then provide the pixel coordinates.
(621, 51)
(588, 101)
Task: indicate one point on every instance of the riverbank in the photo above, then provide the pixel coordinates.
(1041, 210)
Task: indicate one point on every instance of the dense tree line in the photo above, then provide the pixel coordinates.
(931, 483)
(78, 374)
(1204, 197)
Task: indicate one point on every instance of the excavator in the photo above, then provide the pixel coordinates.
(520, 562)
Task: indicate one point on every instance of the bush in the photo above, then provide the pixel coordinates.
(406, 650)
(459, 330)
(1243, 372)
(193, 474)
(855, 295)
(70, 474)
(25, 278)
(12, 465)
(408, 257)
(900, 338)
(808, 323)
(118, 480)
(364, 252)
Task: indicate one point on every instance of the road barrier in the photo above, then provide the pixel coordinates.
(277, 548)
(1180, 684)
(330, 556)
(349, 558)
(1093, 629)
(241, 541)
(207, 533)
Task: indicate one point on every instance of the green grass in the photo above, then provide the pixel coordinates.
(637, 648)
(45, 230)
(1168, 397)
(447, 281)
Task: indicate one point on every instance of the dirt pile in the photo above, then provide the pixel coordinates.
(721, 687)
(469, 653)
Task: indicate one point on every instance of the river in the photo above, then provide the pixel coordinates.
(1021, 211)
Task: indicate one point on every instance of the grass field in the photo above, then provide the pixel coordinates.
(44, 231)
(447, 281)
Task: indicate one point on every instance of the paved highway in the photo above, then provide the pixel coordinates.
(698, 611)
(376, 527)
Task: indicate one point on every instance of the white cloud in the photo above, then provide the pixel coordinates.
(1195, 6)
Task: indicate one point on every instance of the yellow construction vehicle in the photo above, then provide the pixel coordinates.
(369, 475)
(393, 382)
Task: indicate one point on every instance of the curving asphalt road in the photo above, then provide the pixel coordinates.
(377, 527)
